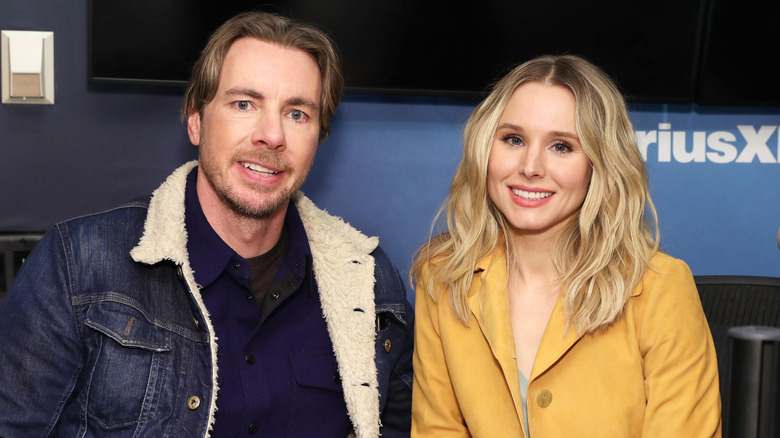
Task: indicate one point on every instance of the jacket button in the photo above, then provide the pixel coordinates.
(388, 345)
(197, 324)
(250, 359)
(193, 402)
(275, 295)
(179, 273)
(544, 398)
(253, 428)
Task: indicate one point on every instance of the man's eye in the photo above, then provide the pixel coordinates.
(297, 115)
(243, 105)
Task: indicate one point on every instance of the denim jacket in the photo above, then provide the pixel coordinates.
(104, 333)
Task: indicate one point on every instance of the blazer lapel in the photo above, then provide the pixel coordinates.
(556, 341)
(490, 306)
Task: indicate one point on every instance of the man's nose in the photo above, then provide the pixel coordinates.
(269, 131)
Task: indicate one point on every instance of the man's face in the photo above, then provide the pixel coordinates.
(259, 134)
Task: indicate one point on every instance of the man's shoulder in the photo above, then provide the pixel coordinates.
(137, 207)
(123, 222)
(389, 286)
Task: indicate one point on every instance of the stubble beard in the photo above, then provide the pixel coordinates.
(240, 205)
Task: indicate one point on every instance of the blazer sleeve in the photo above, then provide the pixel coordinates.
(680, 366)
(435, 409)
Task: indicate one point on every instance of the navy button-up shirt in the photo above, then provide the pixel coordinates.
(277, 372)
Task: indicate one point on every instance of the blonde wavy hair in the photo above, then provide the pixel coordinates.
(603, 252)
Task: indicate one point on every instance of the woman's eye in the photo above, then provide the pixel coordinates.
(561, 147)
(512, 140)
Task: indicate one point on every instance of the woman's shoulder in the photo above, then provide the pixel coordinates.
(666, 266)
(667, 278)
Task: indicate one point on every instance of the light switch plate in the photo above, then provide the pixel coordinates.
(46, 83)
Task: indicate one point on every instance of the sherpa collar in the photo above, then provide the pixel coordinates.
(344, 271)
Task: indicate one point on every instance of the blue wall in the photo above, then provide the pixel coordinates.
(385, 168)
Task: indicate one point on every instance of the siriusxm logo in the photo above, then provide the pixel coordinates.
(715, 147)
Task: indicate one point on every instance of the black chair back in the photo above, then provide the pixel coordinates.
(736, 301)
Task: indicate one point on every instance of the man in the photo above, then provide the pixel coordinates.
(226, 304)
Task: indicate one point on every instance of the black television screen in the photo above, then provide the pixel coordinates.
(738, 54)
(420, 46)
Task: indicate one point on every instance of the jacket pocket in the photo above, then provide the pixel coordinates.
(317, 396)
(128, 364)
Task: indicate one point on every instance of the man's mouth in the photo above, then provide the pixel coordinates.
(259, 169)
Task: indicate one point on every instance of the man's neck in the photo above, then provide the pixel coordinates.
(248, 236)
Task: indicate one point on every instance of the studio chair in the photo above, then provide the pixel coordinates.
(742, 303)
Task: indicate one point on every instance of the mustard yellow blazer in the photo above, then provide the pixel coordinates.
(653, 373)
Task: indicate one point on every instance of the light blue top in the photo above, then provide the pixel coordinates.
(523, 396)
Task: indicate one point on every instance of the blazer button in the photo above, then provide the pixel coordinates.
(544, 398)
(388, 345)
(193, 402)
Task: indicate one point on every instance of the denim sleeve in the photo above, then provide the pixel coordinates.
(40, 352)
(395, 343)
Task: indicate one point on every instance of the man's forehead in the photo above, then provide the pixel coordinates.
(252, 63)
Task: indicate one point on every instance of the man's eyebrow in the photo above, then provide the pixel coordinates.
(243, 91)
(301, 101)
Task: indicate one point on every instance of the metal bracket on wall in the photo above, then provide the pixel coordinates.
(27, 66)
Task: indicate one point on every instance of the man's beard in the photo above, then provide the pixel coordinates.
(231, 198)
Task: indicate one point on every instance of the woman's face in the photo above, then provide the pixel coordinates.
(538, 174)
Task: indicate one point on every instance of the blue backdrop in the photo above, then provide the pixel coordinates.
(714, 177)
(714, 172)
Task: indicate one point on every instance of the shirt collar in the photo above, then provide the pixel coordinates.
(210, 255)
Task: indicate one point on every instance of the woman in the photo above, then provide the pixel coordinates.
(547, 310)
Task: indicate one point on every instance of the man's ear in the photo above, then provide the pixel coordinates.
(193, 127)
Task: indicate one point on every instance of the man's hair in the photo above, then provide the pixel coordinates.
(275, 29)
(604, 251)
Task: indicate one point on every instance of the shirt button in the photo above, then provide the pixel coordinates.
(193, 402)
(388, 345)
(544, 398)
(275, 295)
(253, 428)
(237, 266)
(250, 359)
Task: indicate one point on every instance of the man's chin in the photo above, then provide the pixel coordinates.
(258, 210)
